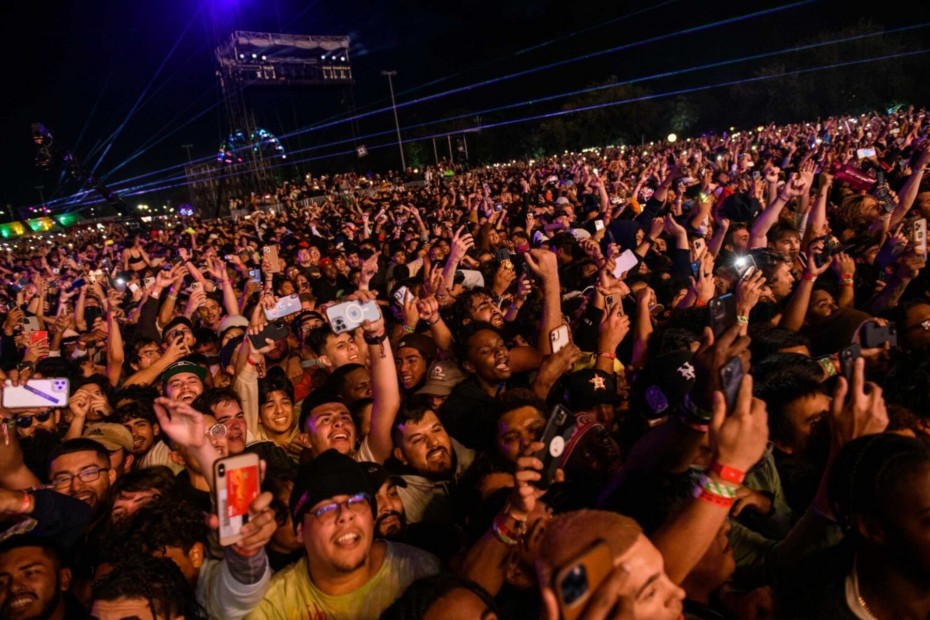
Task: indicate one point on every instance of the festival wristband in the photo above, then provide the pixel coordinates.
(730, 474)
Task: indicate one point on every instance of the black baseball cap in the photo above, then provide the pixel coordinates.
(328, 475)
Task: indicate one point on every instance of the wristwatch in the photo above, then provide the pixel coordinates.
(25, 366)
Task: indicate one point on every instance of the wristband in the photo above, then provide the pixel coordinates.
(720, 489)
(809, 277)
(407, 329)
(723, 502)
(700, 303)
(607, 354)
(155, 295)
(730, 474)
(742, 319)
(373, 340)
(844, 281)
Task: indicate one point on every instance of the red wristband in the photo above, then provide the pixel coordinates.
(716, 500)
(809, 277)
(607, 354)
(730, 474)
(700, 303)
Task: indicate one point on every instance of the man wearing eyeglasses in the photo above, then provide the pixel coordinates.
(81, 469)
(346, 573)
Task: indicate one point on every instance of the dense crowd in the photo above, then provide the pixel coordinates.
(683, 379)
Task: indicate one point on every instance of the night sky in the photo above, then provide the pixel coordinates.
(79, 67)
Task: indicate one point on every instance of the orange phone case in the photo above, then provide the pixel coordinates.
(575, 582)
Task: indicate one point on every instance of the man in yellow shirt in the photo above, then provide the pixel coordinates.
(346, 573)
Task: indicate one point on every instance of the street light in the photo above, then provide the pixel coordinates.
(400, 144)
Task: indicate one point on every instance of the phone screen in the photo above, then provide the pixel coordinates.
(237, 485)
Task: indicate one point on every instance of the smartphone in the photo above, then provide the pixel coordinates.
(881, 192)
(575, 582)
(863, 153)
(722, 313)
(553, 438)
(30, 324)
(77, 284)
(255, 275)
(731, 377)
(625, 263)
(502, 254)
(196, 286)
(236, 479)
(271, 331)
(559, 338)
(917, 233)
(598, 225)
(37, 393)
(756, 175)
(285, 306)
(848, 357)
(133, 287)
(400, 296)
(875, 335)
(831, 246)
(696, 268)
(38, 336)
(271, 251)
(351, 314)
(148, 282)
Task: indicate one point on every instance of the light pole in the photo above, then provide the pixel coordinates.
(190, 167)
(390, 75)
(41, 196)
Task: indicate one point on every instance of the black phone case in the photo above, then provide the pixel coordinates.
(722, 313)
(274, 331)
(848, 357)
(731, 377)
(552, 437)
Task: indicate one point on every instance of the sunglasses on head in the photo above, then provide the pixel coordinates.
(25, 421)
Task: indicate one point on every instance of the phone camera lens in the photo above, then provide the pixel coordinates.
(221, 470)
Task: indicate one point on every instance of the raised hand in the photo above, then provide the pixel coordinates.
(543, 263)
(748, 292)
(739, 440)
(181, 422)
(461, 243)
(615, 325)
(856, 410)
(428, 309)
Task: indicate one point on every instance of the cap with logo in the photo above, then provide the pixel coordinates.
(591, 387)
(180, 367)
(441, 378)
(109, 435)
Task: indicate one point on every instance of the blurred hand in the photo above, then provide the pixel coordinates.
(739, 440)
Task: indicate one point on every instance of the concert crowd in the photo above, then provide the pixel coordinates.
(683, 379)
